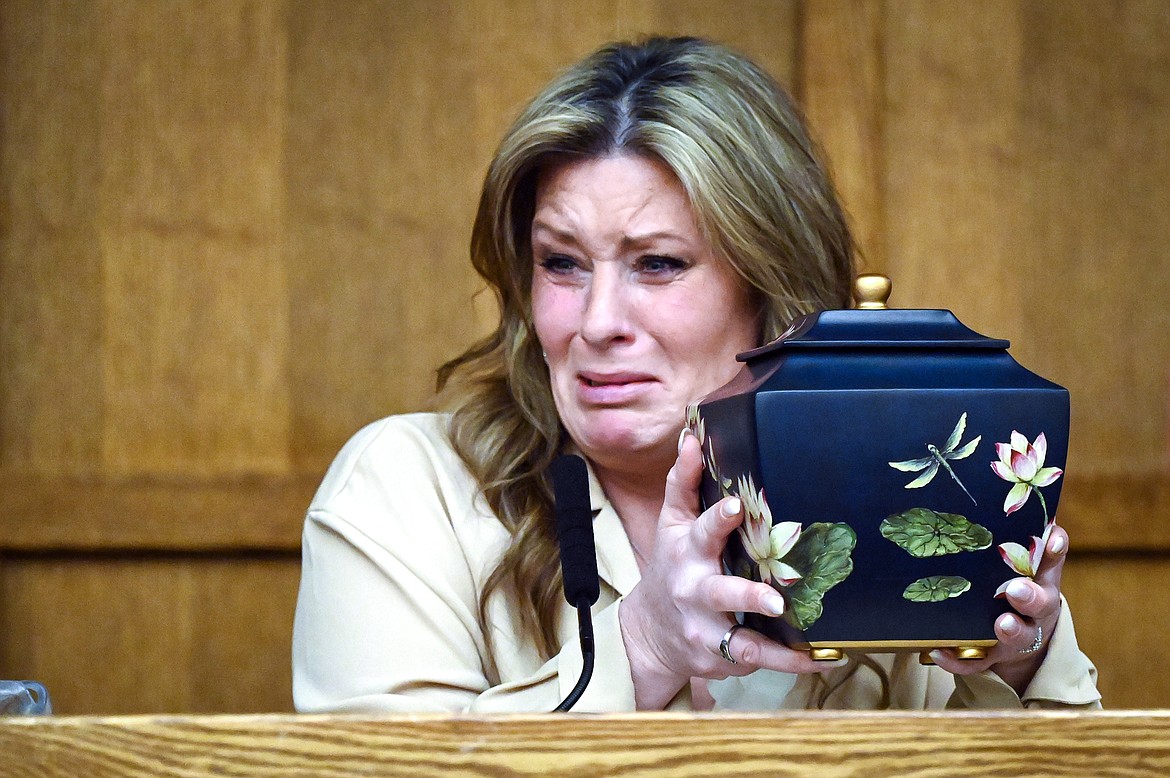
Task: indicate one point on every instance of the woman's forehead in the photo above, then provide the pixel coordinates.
(639, 193)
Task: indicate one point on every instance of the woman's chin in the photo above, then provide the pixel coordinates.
(629, 447)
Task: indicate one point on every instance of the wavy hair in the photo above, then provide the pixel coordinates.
(760, 195)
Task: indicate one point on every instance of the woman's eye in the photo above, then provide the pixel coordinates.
(559, 263)
(660, 265)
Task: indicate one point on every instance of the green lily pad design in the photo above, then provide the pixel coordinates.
(936, 588)
(824, 557)
(925, 533)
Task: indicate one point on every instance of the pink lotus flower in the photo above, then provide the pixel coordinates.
(1022, 463)
(1024, 561)
(766, 543)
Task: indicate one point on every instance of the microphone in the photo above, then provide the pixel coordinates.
(574, 520)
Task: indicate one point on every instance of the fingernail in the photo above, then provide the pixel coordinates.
(1010, 624)
(937, 655)
(1020, 590)
(774, 605)
(1057, 544)
(683, 436)
(731, 507)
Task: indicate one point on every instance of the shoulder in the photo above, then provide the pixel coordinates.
(391, 452)
(394, 472)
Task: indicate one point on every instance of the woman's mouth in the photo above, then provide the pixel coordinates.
(612, 388)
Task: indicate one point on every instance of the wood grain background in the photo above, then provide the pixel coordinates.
(232, 233)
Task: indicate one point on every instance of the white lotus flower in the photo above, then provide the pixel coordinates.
(766, 543)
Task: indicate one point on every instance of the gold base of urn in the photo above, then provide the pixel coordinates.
(961, 652)
(825, 654)
(833, 653)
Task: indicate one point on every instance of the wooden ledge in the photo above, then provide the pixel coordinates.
(43, 514)
(1134, 743)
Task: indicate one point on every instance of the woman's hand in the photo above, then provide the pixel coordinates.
(1023, 635)
(674, 619)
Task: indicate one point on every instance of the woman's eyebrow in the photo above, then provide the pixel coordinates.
(650, 237)
(561, 234)
(627, 241)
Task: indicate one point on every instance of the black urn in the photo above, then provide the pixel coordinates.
(896, 470)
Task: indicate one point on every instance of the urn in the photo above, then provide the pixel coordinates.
(896, 469)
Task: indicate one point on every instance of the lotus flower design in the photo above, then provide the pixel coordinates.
(707, 447)
(1024, 561)
(766, 543)
(1022, 464)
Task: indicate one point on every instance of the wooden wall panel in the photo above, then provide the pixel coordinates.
(191, 219)
(379, 191)
(151, 633)
(50, 272)
(841, 89)
(147, 332)
(143, 330)
(952, 167)
(1097, 117)
(1118, 602)
(1040, 132)
(511, 63)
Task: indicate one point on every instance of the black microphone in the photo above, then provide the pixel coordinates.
(574, 519)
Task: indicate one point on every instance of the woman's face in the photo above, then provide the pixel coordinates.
(636, 313)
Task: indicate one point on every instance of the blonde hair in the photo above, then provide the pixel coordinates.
(761, 196)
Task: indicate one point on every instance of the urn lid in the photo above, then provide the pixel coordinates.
(872, 325)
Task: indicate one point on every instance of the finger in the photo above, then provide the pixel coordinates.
(713, 526)
(753, 651)
(1016, 634)
(1013, 634)
(1052, 564)
(732, 594)
(1039, 597)
(1010, 631)
(1031, 599)
(681, 502)
(947, 660)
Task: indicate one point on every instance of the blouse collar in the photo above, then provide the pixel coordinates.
(616, 564)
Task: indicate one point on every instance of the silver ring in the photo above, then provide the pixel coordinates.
(1037, 644)
(725, 644)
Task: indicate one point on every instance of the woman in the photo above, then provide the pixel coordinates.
(657, 209)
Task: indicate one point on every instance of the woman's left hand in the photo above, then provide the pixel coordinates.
(1023, 635)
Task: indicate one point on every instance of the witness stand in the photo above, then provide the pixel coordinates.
(825, 744)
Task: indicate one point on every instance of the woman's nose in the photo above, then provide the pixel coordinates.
(607, 310)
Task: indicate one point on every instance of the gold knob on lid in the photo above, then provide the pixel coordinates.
(871, 290)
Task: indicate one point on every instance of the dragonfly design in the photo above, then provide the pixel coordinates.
(929, 465)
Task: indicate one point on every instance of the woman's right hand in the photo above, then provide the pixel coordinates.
(674, 619)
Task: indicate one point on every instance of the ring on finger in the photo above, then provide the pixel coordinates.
(725, 644)
(1037, 644)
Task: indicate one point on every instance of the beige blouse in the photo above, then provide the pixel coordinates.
(398, 544)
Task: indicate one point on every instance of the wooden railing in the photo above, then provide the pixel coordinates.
(1133, 743)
